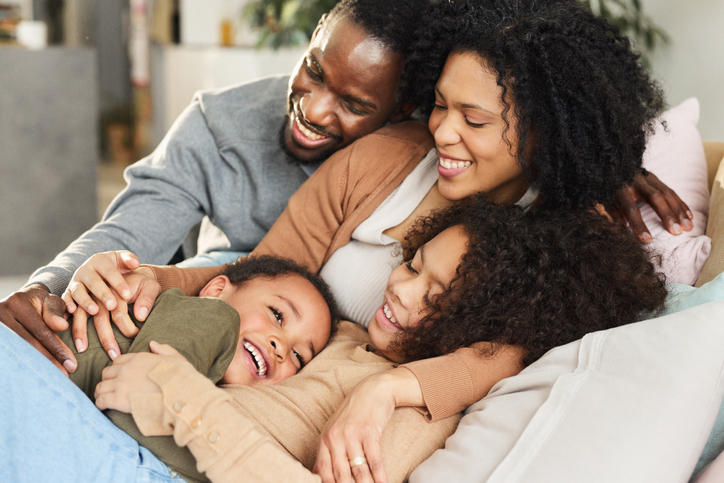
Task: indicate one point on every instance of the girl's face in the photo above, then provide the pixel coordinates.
(468, 127)
(413, 284)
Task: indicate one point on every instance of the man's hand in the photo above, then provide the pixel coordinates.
(674, 213)
(35, 315)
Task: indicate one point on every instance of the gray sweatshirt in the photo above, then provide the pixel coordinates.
(221, 159)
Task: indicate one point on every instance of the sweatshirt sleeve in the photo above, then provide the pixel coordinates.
(453, 382)
(190, 279)
(228, 447)
(165, 197)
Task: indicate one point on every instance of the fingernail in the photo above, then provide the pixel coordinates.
(108, 303)
(676, 229)
(143, 313)
(646, 238)
(79, 345)
(93, 308)
(687, 224)
(126, 294)
(112, 354)
(690, 214)
(69, 365)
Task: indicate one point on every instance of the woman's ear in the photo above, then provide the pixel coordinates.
(215, 287)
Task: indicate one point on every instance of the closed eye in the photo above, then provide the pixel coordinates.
(410, 269)
(315, 76)
(473, 124)
(301, 360)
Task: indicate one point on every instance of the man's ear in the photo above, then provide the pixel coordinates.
(319, 26)
(402, 112)
(215, 287)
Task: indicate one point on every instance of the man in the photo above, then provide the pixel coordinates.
(235, 156)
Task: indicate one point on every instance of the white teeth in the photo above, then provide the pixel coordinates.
(258, 359)
(311, 135)
(388, 314)
(457, 164)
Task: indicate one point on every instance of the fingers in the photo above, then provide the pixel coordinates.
(323, 464)
(104, 330)
(373, 453)
(123, 320)
(165, 350)
(626, 204)
(674, 213)
(129, 261)
(80, 330)
(76, 295)
(147, 293)
(54, 313)
(22, 312)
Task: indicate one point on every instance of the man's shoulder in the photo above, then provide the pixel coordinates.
(258, 94)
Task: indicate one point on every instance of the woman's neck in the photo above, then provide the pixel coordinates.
(433, 200)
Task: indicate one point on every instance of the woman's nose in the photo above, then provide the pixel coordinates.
(318, 107)
(446, 133)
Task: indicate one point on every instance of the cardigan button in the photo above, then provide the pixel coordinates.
(214, 437)
(196, 423)
(178, 406)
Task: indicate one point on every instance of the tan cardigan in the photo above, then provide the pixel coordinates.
(321, 217)
(242, 433)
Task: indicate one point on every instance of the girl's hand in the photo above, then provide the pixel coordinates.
(125, 286)
(356, 427)
(129, 375)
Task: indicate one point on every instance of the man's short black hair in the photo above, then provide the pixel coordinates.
(267, 266)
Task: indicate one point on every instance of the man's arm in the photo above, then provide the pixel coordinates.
(165, 197)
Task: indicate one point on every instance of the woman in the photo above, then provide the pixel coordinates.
(529, 101)
(459, 276)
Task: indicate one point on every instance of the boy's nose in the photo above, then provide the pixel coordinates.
(279, 349)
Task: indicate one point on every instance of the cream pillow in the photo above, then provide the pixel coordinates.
(677, 158)
(630, 404)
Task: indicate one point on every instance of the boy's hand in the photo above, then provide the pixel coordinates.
(129, 375)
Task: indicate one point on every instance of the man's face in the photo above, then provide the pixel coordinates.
(343, 88)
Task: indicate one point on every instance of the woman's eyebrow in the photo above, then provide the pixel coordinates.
(465, 105)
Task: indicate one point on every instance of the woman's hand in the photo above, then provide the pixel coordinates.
(109, 277)
(356, 427)
(129, 375)
(674, 213)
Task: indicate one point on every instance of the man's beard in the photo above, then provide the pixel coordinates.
(313, 161)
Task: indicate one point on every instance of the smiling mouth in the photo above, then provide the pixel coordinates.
(453, 164)
(314, 136)
(388, 313)
(256, 356)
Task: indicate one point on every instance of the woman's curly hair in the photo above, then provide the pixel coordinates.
(536, 280)
(582, 101)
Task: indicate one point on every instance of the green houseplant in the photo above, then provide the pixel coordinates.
(291, 22)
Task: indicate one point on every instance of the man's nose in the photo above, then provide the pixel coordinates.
(318, 107)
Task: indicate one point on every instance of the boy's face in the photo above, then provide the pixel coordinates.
(285, 322)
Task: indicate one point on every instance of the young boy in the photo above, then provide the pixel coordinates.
(257, 323)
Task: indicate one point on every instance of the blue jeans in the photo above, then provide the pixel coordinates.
(50, 431)
(212, 259)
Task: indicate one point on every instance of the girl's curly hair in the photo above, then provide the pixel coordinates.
(582, 101)
(535, 280)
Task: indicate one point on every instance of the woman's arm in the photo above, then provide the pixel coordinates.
(439, 388)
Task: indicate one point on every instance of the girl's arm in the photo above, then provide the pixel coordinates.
(439, 387)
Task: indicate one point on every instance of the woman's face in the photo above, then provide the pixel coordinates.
(468, 128)
(413, 284)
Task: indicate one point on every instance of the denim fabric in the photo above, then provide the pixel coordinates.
(50, 431)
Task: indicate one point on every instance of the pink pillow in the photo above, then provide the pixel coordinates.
(676, 156)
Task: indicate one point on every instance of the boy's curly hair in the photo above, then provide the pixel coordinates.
(267, 266)
(582, 101)
(535, 280)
